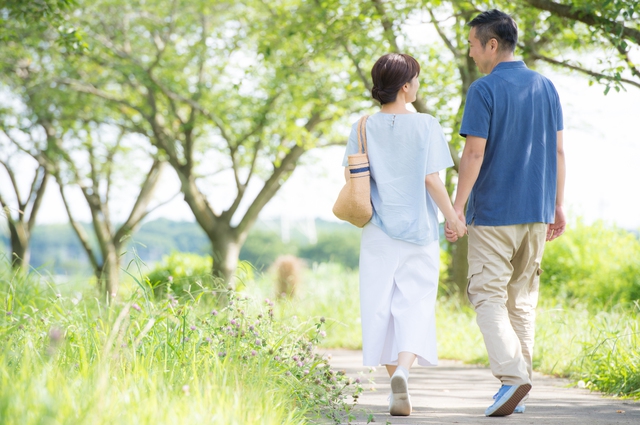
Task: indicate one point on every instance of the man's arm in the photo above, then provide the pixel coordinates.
(470, 164)
(557, 228)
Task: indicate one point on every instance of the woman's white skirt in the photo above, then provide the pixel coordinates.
(398, 288)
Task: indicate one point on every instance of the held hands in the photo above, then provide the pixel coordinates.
(455, 227)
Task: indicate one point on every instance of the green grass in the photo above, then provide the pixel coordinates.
(325, 290)
(66, 357)
(602, 350)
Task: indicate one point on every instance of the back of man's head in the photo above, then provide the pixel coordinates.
(496, 24)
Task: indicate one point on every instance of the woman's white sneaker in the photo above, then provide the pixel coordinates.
(399, 400)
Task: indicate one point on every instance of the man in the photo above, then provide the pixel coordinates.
(512, 173)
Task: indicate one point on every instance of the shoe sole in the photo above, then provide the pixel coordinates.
(509, 406)
(401, 405)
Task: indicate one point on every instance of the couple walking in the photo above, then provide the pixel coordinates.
(511, 176)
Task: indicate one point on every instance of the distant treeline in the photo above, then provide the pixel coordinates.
(56, 248)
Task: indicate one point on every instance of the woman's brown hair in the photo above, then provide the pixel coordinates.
(390, 73)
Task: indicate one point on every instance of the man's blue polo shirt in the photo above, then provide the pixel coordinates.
(518, 111)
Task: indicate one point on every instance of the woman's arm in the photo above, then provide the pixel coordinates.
(438, 192)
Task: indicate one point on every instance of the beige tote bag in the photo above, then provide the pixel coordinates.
(354, 201)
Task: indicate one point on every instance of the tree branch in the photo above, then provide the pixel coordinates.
(241, 186)
(139, 210)
(387, 25)
(14, 183)
(37, 196)
(82, 235)
(625, 55)
(194, 104)
(443, 36)
(274, 182)
(81, 87)
(567, 65)
(7, 210)
(589, 18)
(359, 71)
(271, 187)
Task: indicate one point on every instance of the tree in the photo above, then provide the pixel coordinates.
(76, 140)
(92, 169)
(605, 24)
(41, 16)
(238, 90)
(21, 216)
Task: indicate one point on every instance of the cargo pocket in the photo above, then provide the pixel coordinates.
(474, 270)
(535, 282)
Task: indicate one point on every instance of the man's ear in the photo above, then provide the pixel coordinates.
(493, 43)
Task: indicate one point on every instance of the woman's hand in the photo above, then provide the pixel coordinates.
(454, 229)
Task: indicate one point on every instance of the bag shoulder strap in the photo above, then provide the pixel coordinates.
(362, 134)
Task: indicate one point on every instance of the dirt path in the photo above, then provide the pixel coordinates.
(457, 393)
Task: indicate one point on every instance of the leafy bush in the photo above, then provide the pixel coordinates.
(181, 273)
(593, 264)
(341, 247)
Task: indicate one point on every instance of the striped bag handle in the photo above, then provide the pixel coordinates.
(362, 134)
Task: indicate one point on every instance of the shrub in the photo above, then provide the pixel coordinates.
(181, 273)
(341, 247)
(597, 265)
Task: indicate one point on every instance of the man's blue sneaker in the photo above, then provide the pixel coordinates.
(507, 399)
(520, 408)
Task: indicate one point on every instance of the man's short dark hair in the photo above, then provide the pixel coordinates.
(496, 24)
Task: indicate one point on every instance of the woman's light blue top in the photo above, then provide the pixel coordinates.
(403, 149)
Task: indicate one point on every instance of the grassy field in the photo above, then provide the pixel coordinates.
(66, 357)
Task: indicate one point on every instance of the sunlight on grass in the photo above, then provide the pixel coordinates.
(73, 359)
(327, 290)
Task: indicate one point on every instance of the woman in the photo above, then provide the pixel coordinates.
(399, 253)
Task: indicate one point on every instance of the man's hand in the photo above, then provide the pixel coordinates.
(557, 228)
(451, 234)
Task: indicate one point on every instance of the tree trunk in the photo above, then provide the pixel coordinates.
(109, 276)
(226, 251)
(19, 244)
(459, 266)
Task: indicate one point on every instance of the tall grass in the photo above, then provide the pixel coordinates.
(326, 290)
(602, 350)
(71, 359)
